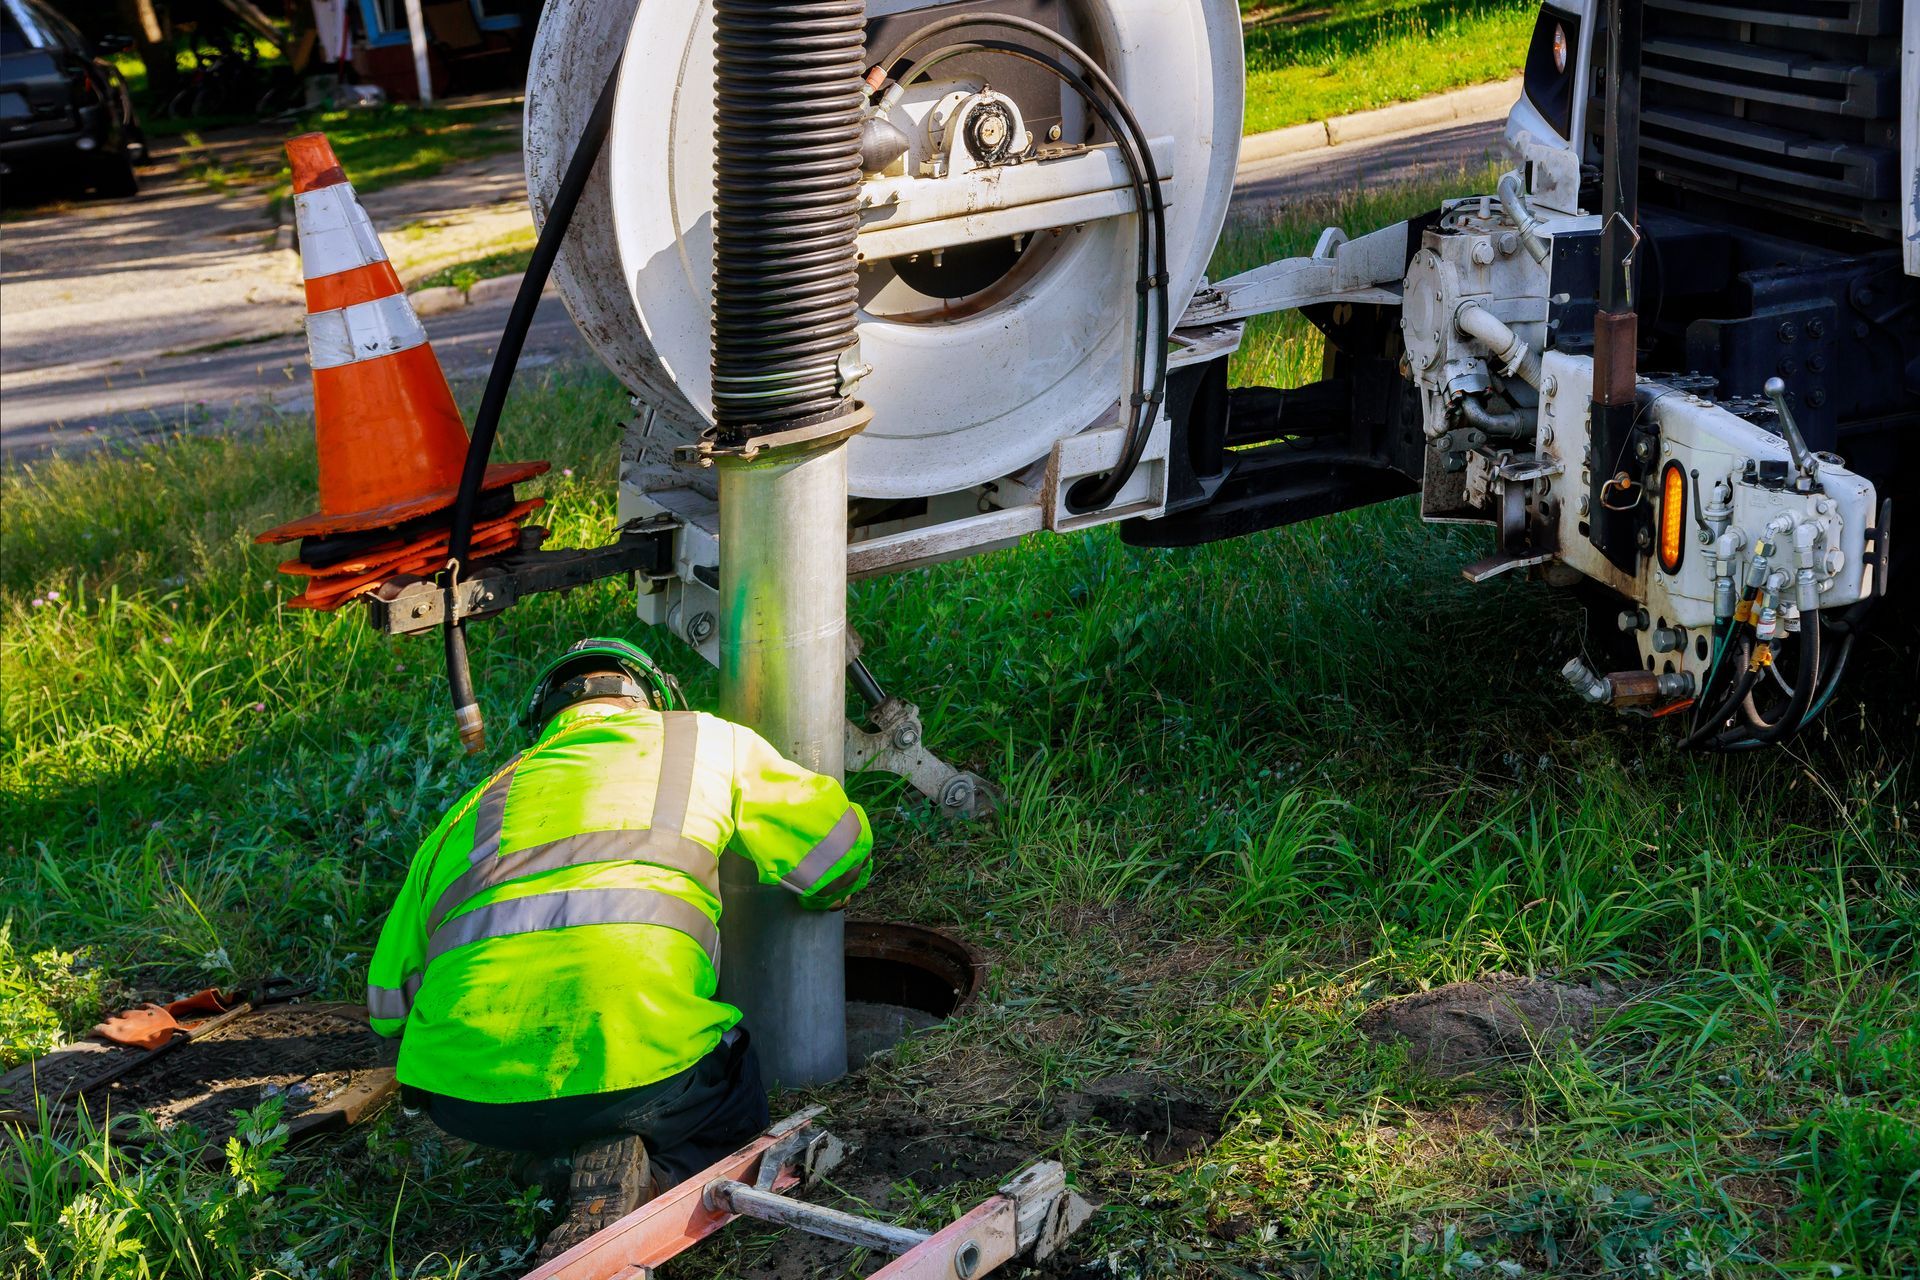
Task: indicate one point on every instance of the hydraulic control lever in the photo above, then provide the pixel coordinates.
(1804, 460)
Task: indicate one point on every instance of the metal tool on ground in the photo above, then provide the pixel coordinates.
(1030, 1217)
(151, 1025)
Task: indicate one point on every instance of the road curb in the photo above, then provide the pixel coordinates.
(1460, 104)
(431, 302)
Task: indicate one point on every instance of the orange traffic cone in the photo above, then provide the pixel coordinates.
(390, 438)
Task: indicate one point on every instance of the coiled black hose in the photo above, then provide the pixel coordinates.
(486, 423)
(789, 104)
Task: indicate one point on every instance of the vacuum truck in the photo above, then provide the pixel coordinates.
(1671, 360)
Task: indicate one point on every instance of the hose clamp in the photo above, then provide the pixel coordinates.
(813, 435)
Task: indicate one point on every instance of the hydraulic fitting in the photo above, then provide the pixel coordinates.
(1760, 565)
(1624, 689)
(1717, 510)
(1723, 598)
(1806, 589)
(1514, 201)
(1589, 685)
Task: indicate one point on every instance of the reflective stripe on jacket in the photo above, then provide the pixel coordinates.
(558, 933)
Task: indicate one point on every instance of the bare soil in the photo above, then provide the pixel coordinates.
(307, 1056)
(322, 1060)
(901, 1166)
(1465, 1026)
(1173, 1127)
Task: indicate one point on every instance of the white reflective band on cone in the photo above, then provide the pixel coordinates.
(335, 232)
(363, 331)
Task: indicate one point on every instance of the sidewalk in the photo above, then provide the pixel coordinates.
(1480, 102)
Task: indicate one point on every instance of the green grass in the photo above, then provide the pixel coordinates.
(400, 142)
(1252, 788)
(508, 261)
(1307, 61)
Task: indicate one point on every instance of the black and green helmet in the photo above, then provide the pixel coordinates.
(588, 670)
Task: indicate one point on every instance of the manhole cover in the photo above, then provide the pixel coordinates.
(322, 1059)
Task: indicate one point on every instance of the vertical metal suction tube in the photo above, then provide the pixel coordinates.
(790, 100)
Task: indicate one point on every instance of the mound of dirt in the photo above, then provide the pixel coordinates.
(1465, 1026)
(1173, 1126)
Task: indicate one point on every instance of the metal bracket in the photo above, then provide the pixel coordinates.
(815, 435)
(807, 1153)
(406, 605)
(1523, 539)
(894, 745)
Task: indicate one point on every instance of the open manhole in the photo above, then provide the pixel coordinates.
(903, 978)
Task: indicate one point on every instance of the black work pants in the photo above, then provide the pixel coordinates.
(688, 1121)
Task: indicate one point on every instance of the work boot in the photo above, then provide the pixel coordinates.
(610, 1180)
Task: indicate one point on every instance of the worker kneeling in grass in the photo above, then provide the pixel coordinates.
(550, 962)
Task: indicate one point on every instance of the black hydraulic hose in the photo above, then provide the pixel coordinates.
(1092, 493)
(864, 684)
(1707, 726)
(1086, 495)
(1835, 669)
(486, 423)
(1829, 683)
(1783, 727)
(1723, 645)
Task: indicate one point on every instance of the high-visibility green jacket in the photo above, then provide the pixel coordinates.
(557, 933)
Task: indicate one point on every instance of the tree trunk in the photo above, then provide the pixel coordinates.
(153, 39)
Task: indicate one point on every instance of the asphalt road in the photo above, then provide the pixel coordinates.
(72, 407)
(75, 406)
(1390, 161)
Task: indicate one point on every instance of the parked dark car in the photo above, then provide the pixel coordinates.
(65, 115)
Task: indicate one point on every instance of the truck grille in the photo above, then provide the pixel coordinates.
(1788, 104)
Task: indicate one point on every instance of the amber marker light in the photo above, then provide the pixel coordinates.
(1673, 517)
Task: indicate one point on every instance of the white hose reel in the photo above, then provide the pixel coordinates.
(996, 296)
